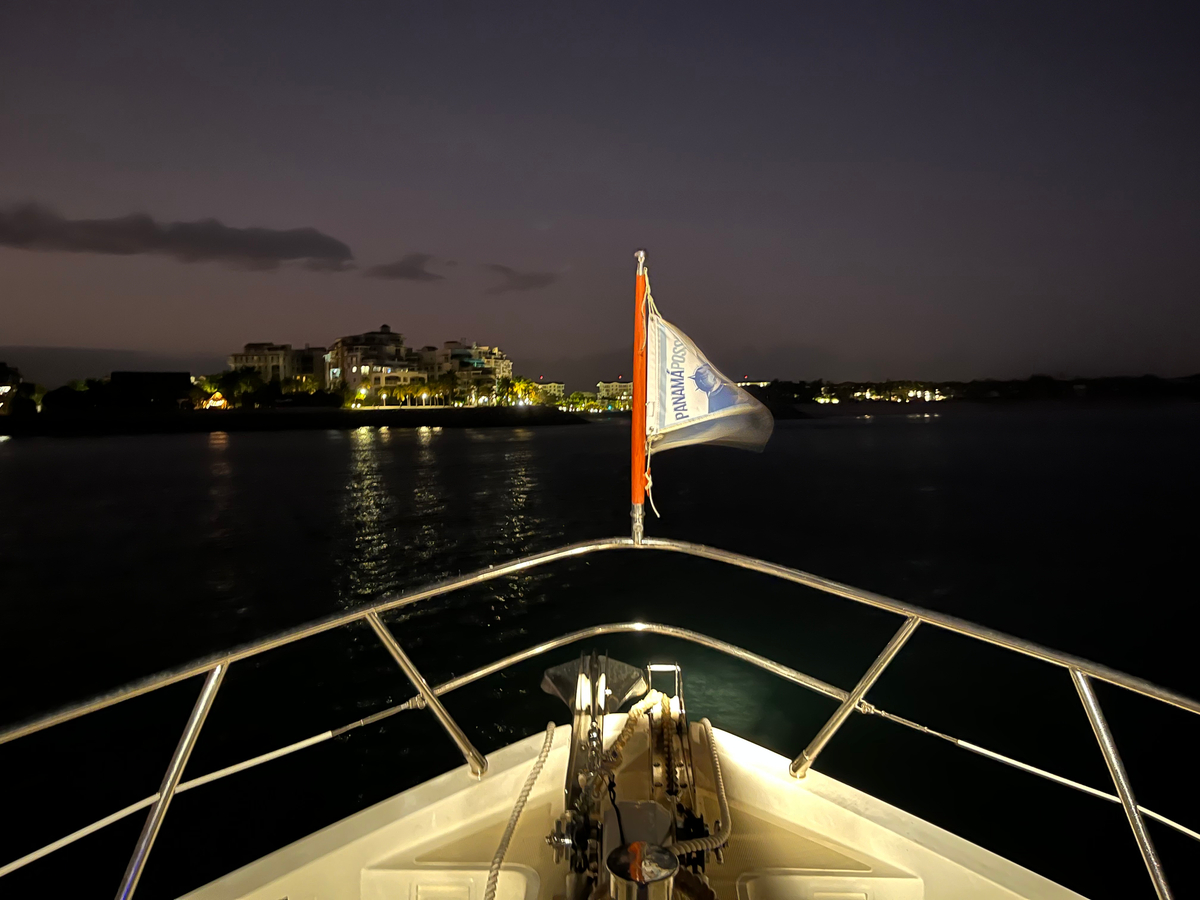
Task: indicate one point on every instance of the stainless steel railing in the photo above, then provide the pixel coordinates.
(1081, 671)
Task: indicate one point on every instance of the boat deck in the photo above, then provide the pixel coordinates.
(814, 839)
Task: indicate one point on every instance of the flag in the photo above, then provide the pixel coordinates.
(689, 400)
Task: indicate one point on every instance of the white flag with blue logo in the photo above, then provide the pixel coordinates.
(689, 401)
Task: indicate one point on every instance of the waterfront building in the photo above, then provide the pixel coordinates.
(554, 391)
(280, 362)
(354, 359)
(476, 367)
(376, 364)
(308, 365)
(272, 362)
(495, 359)
(617, 393)
(385, 384)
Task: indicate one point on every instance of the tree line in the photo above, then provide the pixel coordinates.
(245, 388)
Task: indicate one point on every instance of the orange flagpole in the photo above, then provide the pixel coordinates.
(638, 431)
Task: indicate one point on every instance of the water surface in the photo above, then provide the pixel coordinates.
(120, 557)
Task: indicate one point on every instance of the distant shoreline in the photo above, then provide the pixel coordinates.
(859, 408)
(318, 419)
(207, 421)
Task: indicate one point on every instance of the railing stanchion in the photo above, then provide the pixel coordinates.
(475, 760)
(1116, 769)
(800, 765)
(166, 791)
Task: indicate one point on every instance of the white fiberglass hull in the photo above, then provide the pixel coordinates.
(809, 839)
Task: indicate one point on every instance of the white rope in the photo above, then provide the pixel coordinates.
(649, 307)
(650, 297)
(650, 484)
(721, 838)
(489, 892)
(634, 715)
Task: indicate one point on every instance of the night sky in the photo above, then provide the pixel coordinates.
(831, 190)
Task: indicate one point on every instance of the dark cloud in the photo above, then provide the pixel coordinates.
(519, 281)
(31, 226)
(314, 264)
(411, 268)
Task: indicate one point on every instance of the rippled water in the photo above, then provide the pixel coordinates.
(120, 557)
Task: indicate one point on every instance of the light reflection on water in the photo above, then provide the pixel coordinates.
(416, 506)
(520, 527)
(365, 514)
(420, 505)
(430, 541)
(220, 574)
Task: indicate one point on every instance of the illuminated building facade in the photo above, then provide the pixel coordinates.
(469, 360)
(378, 365)
(272, 362)
(615, 392)
(373, 360)
(280, 362)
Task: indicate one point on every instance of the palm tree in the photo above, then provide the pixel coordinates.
(579, 400)
(406, 392)
(504, 391)
(524, 390)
